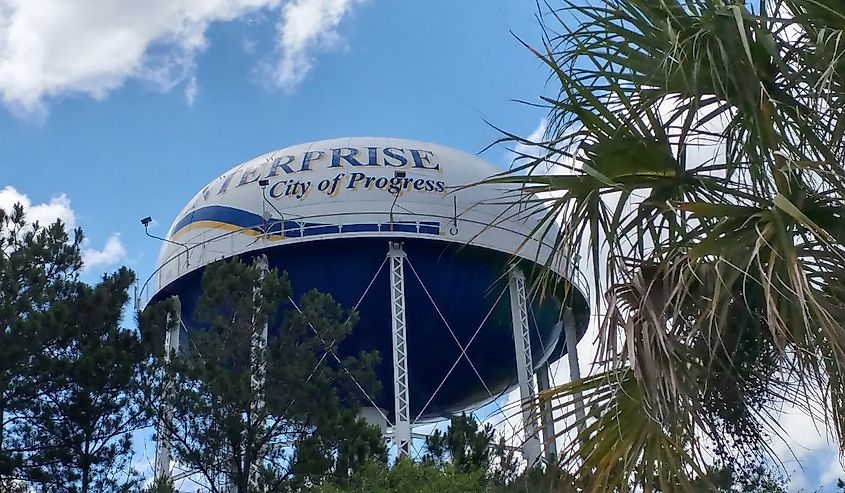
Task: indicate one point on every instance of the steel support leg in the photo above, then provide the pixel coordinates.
(524, 363)
(171, 347)
(546, 420)
(402, 424)
(258, 374)
(574, 368)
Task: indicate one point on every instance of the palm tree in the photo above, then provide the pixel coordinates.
(702, 152)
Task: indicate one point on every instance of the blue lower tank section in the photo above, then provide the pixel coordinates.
(464, 282)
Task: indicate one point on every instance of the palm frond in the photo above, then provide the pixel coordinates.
(700, 149)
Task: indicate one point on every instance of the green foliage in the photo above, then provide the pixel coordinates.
(160, 485)
(466, 457)
(96, 373)
(697, 151)
(69, 374)
(299, 429)
(464, 444)
(417, 477)
(468, 446)
(38, 265)
(760, 479)
(550, 479)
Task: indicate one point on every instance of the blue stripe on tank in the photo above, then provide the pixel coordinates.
(295, 229)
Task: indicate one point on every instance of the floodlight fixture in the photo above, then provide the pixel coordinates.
(147, 221)
(399, 173)
(263, 184)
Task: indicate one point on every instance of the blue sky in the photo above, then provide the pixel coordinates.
(144, 144)
(112, 111)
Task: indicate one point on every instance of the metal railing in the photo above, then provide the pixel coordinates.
(304, 227)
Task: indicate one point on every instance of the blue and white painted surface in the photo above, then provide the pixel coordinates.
(324, 212)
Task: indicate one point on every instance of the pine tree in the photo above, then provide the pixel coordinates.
(299, 429)
(38, 265)
(83, 428)
(408, 476)
(69, 374)
(465, 444)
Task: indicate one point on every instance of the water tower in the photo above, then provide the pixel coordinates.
(440, 273)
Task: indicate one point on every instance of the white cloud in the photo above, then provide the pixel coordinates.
(808, 451)
(59, 207)
(835, 469)
(249, 46)
(305, 28)
(112, 253)
(191, 91)
(50, 48)
(537, 135)
(805, 435)
(46, 213)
